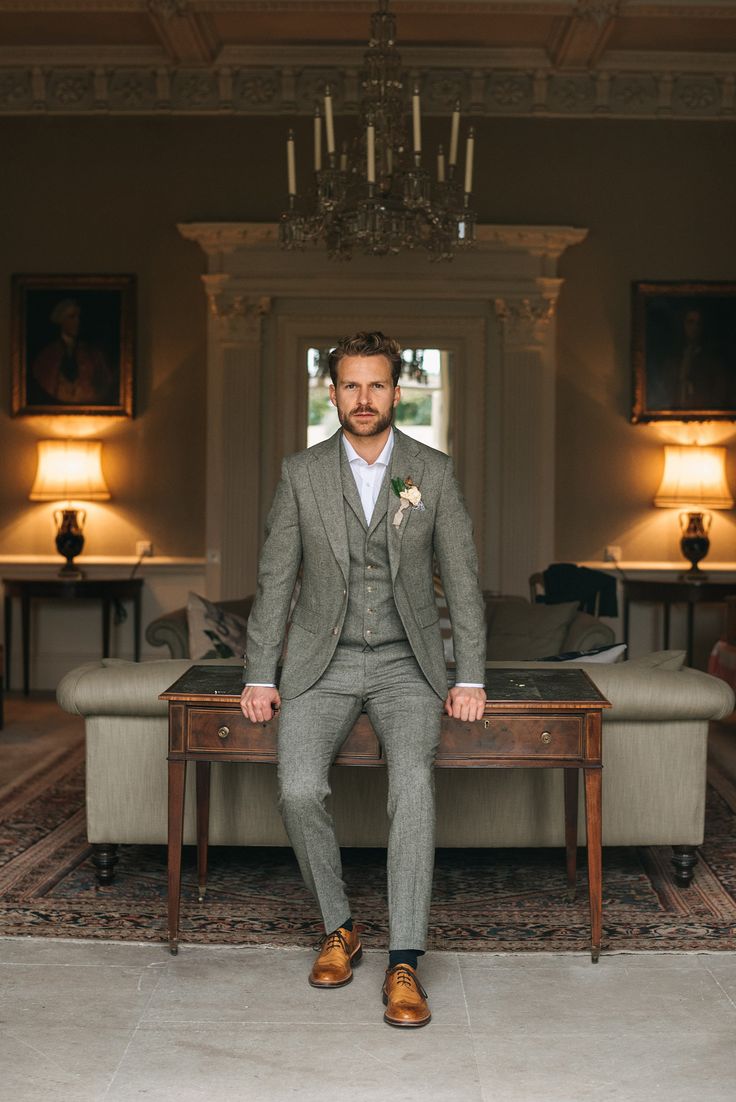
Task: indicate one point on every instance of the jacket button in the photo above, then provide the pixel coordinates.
(335, 631)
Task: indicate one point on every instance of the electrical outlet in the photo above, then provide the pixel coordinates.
(143, 548)
(612, 554)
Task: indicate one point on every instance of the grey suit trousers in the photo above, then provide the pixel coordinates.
(405, 713)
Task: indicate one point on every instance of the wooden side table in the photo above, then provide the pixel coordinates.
(105, 590)
(672, 593)
(534, 719)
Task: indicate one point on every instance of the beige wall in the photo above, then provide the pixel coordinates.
(104, 195)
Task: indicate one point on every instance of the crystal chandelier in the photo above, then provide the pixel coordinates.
(375, 196)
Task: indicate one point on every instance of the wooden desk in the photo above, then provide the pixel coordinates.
(106, 590)
(668, 593)
(543, 719)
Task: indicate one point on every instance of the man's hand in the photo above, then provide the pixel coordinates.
(259, 703)
(465, 703)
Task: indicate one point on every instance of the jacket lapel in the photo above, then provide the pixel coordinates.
(349, 488)
(406, 462)
(324, 474)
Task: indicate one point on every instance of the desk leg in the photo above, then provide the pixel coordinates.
(593, 778)
(25, 622)
(177, 780)
(690, 619)
(666, 615)
(571, 829)
(203, 824)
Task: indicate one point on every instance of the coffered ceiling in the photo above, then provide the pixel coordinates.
(560, 57)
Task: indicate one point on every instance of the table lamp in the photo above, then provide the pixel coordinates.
(69, 469)
(694, 479)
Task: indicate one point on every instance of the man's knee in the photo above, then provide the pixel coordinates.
(299, 792)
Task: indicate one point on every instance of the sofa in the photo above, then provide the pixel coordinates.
(514, 626)
(654, 754)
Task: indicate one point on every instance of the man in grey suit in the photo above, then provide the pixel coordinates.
(364, 515)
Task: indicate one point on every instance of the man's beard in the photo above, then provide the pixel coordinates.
(372, 428)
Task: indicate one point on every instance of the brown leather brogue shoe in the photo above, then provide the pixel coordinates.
(337, 953)
(404, 998)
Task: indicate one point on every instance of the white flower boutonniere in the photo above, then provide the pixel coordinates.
(410, 497)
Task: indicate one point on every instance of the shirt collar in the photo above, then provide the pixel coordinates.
(383, 460)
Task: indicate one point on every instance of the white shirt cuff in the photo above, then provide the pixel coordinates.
(259, 685)
(468, 685)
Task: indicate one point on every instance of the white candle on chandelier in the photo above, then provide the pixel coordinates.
(371, 152)
(454, 133)
(469, 161)
(291, 162)
(440, 165)
(344, 157)
(416, 119)
(329, 121)
(317, 140)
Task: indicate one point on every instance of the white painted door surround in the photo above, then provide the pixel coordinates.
(493, 307)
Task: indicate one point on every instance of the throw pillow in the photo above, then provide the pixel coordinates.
(614, 652)
(660, 659)
(518, 630)
(214, 633)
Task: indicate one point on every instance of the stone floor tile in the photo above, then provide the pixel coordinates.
(34, 997)
(59, 1062)
(258, 985)
(61, 951)
(623, 1065)
(258, 1064)
(564, 993)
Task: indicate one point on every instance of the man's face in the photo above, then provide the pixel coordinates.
(365, 396)
(70, 322)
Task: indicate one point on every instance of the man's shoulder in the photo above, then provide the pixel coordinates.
(432, 456)
(297, 460)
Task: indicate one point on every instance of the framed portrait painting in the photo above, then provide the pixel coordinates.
(684, 351)
(72, 344)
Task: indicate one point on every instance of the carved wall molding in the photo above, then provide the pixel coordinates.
(526, 320)
(240, 314)
(155, 87)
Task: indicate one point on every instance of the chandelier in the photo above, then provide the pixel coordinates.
(375, 196)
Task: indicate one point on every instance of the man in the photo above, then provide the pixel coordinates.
(363, 515)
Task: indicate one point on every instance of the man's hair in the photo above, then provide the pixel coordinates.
(367, 344)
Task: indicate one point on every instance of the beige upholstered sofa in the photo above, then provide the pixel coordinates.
(654, 753)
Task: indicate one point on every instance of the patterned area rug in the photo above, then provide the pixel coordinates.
(483, 899)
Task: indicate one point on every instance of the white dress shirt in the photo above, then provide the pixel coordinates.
(369, 476)
(369, 479)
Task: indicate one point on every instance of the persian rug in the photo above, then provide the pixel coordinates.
(483, 899)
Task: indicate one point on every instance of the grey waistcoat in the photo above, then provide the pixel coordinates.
(372, 617)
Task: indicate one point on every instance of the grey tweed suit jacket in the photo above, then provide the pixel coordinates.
(306, 528)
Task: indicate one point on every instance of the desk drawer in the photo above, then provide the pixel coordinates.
(512, 736)
(230, 733)
(217, 731)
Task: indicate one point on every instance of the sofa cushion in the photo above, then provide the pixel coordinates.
(660, 660)
(214, 633)
(518, 630)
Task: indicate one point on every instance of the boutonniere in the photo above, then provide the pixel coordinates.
(409, 495)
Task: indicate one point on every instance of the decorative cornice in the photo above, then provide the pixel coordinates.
(152, 88)
(217, 238)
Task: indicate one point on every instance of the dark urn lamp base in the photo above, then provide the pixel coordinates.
(70, 540)
(695, 543)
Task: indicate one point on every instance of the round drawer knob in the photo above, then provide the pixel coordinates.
(546, 738)
(223, 732)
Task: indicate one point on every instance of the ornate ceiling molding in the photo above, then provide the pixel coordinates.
(197, 90)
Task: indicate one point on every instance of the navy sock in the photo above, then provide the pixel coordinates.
(404, 956)
(347, 924)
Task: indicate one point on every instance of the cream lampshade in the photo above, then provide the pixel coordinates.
(69, 469)
(694, 478)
